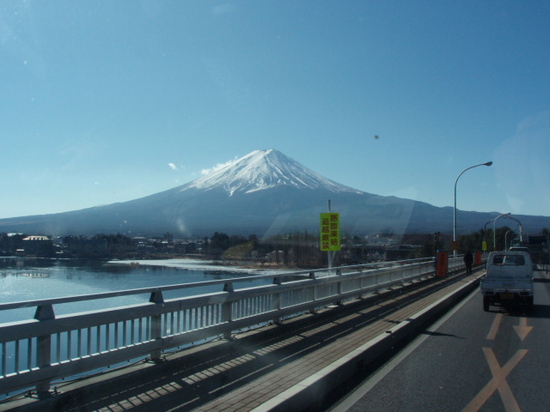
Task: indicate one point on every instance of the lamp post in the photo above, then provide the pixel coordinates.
(494, 229)
(506, 239)
(454, 208)
(485, 232)
(493, 221)
(519, 225)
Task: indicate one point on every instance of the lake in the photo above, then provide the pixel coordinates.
(23, 279)
(30, 279)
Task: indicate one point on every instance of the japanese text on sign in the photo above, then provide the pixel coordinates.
(330, 231)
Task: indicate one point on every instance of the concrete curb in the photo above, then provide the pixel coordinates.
(314, 388)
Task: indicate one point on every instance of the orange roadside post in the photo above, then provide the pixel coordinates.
(442, 263)
(477, 258)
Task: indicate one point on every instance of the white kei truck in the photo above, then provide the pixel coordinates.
(509, 280)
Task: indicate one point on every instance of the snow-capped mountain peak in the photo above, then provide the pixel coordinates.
(265, 169)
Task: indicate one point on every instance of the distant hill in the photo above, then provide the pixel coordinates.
(264, 193)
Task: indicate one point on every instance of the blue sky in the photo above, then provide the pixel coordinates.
(109, 101)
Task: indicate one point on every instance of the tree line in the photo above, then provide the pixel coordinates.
(300, 248)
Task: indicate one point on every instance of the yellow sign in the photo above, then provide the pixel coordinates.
(330, 231)
(484, 246)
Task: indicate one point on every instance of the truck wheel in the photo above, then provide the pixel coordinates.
(486, 304)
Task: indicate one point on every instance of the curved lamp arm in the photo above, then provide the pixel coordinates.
(454, 205)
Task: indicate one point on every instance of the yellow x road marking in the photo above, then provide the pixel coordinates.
(498, 382)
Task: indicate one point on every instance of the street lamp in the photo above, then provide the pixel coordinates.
(519, 225)
(454, 208)
(493, 221)
(506, 239)
(495, 230)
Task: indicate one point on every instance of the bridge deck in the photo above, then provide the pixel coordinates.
(275, 367)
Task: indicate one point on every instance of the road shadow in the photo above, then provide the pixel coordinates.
(430, 333)
(538, 311)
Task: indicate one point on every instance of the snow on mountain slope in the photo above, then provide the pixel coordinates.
(265, 169)
(264, 193)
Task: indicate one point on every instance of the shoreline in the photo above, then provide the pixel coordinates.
(207, 264)
(188, 262)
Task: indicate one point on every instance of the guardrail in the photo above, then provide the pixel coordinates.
(38, 351)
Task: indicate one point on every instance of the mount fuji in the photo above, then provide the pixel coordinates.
(264, 193)
(264, 170)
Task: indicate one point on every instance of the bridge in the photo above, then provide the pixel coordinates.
(286, 342)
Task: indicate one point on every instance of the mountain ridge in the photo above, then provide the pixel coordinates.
(264, 193)
(262, 170)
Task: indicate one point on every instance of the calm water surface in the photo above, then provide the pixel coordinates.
(31, 279)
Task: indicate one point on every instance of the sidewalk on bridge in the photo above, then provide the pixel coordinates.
(294, 366)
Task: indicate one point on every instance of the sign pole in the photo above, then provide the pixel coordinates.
(329, 238)
(330, 252)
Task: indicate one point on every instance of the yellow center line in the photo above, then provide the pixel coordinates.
(494, 328)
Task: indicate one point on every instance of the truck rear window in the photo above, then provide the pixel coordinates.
(509, 260)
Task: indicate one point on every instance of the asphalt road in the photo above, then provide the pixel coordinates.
(468, 361)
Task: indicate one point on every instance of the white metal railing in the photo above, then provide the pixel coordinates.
(35, 352)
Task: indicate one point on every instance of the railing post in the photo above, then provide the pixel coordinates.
(156, 324)
(44, 349)
(312, 310)
(277, 301)
(227, 308)
(339, 286)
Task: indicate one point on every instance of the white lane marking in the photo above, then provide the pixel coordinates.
(371, 382)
